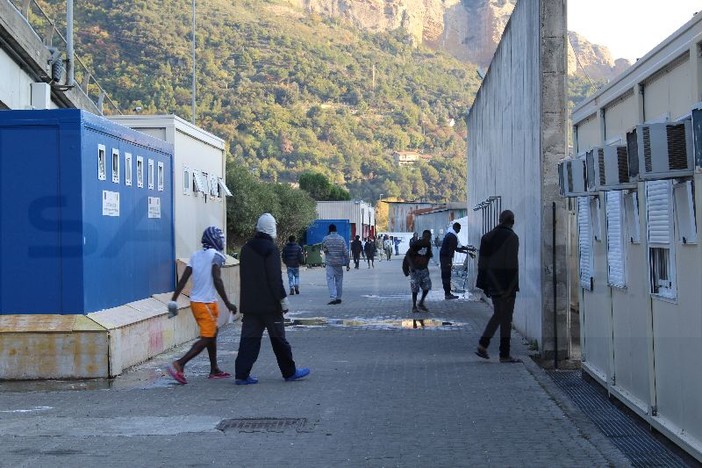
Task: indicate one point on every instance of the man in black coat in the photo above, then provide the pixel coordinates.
(449, 246)
(263, 302)
(498, 277)
(356, 249)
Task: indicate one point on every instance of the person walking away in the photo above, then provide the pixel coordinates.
(336, 258)
(418, 256)
(205, 268)
(292, 258)
(449, 246)
(369, 250)
(397, 245)
(379, 247)
(356, 249)
(263, 304)
(498, 277)
(387, 247)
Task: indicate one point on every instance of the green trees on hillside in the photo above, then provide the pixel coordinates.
(290, 93)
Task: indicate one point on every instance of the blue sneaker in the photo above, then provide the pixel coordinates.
(247, 381)
(299, 374)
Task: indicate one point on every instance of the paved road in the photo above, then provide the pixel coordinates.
(381, 393)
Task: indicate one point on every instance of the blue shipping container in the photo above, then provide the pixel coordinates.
(87, 213)
(320, 228)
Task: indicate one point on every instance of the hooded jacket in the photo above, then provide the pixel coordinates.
(261, 279)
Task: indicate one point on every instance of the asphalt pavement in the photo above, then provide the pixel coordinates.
(386, 389)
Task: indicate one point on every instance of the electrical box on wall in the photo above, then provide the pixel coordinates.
(665, 150)
(78, 236)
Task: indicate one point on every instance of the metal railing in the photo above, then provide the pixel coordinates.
(85, 81)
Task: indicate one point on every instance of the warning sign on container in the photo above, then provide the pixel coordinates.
(110, 203)
(154, 207)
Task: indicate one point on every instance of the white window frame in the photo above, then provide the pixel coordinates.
(685, 223)
(585, 267)
(114, 163)
(102, 162)
(151, 174)
(632, 217)
(659, 234)
(128, 169)
(161, 176)
(223, 187)
(595, 209)
(198, 183)
(140, 171)
(616, 248)
(187, 180)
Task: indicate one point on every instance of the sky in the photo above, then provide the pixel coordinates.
(648, 23)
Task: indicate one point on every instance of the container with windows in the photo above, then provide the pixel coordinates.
(79, 233)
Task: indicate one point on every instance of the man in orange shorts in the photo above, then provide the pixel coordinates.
(205, 268)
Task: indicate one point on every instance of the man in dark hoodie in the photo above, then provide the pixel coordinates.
(356, 249)
(293, 258)
(498, 277)
(263, 303)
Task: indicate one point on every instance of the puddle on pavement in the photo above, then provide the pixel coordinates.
(373, 323)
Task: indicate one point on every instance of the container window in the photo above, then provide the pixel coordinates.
(151, 174)
(223, 187)
(198, 183)
(187, 182)
(662, 277)
(161, 176)
(616, 253)
(127, 168)
(595, 216)
(101, 163)
(584, 244)
(212, 185)
(115, 166)
(140, 171)
(686, 225)
(631, 216)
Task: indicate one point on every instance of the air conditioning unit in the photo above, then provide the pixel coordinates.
(571, 178)
(612, 168)
(665, 150)
(592, 157)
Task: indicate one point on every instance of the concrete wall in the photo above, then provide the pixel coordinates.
(645, 347)
(516, 135)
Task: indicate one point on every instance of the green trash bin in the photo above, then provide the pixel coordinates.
(313, 255)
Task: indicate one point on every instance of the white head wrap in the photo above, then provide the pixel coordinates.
(266, 224)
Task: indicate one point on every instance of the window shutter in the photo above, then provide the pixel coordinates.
(615, 239)
(659, 212)
(585, 243)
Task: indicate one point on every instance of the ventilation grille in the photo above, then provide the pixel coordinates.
(601, 166)
(590, 170)
(647, 149)
(677, 149)
(632, 145)
(622, 165)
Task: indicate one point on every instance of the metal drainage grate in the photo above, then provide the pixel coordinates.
(261, 424)
(636, 443)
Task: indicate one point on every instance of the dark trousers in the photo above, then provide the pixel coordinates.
(356, 259)
(446, 263)
(503, 308)
(252, 327)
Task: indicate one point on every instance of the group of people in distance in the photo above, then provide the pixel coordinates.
(264, 302)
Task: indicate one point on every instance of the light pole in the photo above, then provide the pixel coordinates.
(194, 67)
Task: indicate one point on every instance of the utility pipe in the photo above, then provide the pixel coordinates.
(555, 296)
(70, 54)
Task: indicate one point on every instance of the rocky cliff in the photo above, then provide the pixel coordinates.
(467, 29)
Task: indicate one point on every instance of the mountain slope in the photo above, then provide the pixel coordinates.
(289, 91)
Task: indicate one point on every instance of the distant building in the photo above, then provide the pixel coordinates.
(360, 214)
(408, 158)
(417, 216)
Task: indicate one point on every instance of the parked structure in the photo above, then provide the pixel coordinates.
(401, 214)
(200, 188)
(517, 129)
(439, 217)
(360, 214)
(636, 181)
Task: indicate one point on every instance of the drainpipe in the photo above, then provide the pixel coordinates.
(555, 296)
(70, 76)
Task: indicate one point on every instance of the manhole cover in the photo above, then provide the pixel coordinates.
(261, 424)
